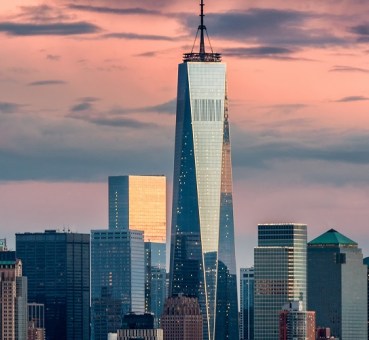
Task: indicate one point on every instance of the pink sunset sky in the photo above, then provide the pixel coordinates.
(87, 90)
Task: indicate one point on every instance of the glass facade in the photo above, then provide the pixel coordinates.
(138, 203)
(57, 265)
(155, 279)
(117, 278)
(202, 252)
(337, 285)
(366, 262)
(247, 285)
(280, 274)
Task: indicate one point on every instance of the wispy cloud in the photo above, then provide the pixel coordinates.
(270, 27)
(342, 68)
(135, 36)
(31, 29)
(352, 99)
(114, 10)
(47, 82)
(269, 52)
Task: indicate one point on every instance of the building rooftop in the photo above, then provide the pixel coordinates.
(366, 261)
(332, 237)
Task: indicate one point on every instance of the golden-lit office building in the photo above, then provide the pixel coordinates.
(138, 203)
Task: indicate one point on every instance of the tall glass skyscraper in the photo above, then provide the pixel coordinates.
(280, 274)
(117, 278)
(202, 241)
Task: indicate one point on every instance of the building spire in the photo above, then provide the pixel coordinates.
(202, 28)
(202, 55)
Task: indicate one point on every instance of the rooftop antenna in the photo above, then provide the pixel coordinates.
(202, 55)
(202, 28)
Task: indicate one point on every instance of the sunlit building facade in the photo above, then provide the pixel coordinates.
(280, 274)
(138, 203)
(13, 297)
(202, 244)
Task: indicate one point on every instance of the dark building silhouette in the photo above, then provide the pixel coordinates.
(337, 285)
(366, 262)
(57, 265)
(182, 319)
(140, 327)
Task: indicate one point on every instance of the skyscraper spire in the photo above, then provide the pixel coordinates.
(202, 55)
(202, 28)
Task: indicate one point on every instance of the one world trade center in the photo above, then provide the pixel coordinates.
(202, 240)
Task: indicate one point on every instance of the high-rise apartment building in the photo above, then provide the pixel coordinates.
(202, 242)
(117, 278)
(138, 203)
(247, 285)
(337, 285)
(57, 265)
(13, 297)
(280, 274)
(182, 319)
(155, 279)
(295, 323)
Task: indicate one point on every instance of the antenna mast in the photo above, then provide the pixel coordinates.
(202, 56)
(202, 28)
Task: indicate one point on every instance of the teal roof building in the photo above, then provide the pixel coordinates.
(333, 237)
(337, 285)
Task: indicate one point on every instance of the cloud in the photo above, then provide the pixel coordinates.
(270, 27)
(168, 107)
(86, 111)
(352, 99)
(269, 52)
(120, 122)
(53, 57)
(47, 82)
(264, 151)
(46, 147)
(42, 14)
(31, 29)
(6, 107)
(114, 10)
(342, 68)
(135, 36)
(362, 31)
(84, 106)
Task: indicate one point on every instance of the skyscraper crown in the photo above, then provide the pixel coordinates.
(202, 55)
(332, 238)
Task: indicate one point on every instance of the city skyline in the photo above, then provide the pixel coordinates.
(298, 104)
